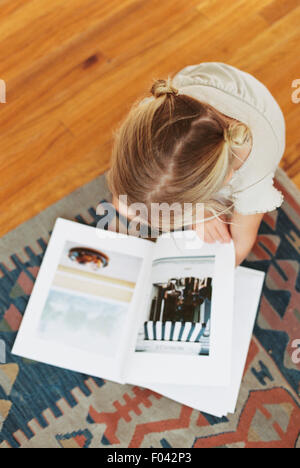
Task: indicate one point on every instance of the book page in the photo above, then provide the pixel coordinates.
(83, 302)
(185, 331)
(219, 401)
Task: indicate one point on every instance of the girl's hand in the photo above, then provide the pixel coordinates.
(214, 230)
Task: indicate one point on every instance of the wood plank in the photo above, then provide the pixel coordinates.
(278, 9)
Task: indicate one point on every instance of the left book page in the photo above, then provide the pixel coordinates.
(83, 303)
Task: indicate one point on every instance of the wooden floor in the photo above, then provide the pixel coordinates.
(72, 70)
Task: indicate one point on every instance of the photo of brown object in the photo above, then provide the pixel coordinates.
(84, 256)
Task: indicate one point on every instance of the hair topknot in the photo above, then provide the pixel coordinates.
(163, 87)
(236, 134)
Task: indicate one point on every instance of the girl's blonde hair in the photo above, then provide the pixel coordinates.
(174, 148)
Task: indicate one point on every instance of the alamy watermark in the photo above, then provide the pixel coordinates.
(2, 352)
(150, 222)
(296, 353)
(2, 92)
(296, 93)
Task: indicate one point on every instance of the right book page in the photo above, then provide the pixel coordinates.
(222, 400)
(185, 331)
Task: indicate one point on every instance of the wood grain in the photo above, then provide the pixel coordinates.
(73, 69)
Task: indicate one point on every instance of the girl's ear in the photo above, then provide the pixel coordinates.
(122, 209)
(119, 207)
(115, 202)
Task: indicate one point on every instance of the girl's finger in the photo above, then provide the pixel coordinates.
(208, 237)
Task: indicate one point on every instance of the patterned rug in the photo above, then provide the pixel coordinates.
(46, 407)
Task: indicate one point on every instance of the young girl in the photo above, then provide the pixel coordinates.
(212, 134)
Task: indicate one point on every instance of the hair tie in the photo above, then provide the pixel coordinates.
(163, 87)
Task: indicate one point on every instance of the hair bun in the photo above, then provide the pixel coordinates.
(163, 87)
(237, 134)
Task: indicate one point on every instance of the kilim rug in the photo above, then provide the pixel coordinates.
(46, 407)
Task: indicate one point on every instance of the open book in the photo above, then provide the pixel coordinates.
(130, 310)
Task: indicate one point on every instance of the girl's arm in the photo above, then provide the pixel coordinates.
(244, 232)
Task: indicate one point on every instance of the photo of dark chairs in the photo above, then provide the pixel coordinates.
(180, 311)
